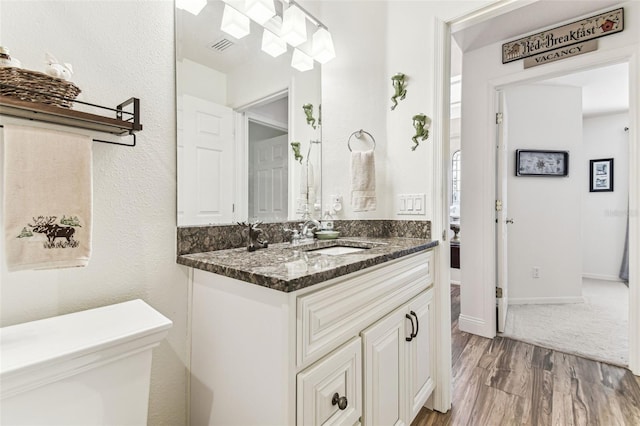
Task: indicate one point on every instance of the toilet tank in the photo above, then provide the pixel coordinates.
(86, 368)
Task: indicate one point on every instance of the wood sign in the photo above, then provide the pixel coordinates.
(558, 39)
(562, 53)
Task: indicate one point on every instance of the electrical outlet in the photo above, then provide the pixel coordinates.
(535, 272)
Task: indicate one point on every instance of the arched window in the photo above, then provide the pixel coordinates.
(455, 178)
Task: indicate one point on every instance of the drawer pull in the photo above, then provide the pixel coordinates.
(340, 400)
(413, 329)
(417, 324)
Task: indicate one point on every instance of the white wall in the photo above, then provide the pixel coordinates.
(373, 41)
(546, 232)
(200, 81)
(482, 68)
(354, 97)
(118, 50)
(604, 220)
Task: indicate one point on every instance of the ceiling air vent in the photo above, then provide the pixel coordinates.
(220, 45)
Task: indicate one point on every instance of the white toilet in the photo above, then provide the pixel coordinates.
(86, 368)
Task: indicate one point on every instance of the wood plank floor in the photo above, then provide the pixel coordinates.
(506, 382)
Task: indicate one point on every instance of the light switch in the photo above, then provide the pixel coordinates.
(417, 204)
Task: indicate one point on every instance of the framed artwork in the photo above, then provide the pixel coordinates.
(601, 175)
(542, 163)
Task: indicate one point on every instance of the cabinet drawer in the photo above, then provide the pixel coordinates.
(320, 387)
(329, 317)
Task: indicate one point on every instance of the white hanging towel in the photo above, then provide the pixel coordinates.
(47, 198)
(363, 181)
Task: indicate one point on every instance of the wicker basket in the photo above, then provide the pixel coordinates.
(25, 83)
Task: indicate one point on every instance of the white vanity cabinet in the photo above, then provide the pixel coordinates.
(356, 349)
(398, 363)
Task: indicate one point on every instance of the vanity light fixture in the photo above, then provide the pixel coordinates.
(281, 26)
(323, 50)
(301, 61)
(234, 22)
(294, 26)
(192, 6)
(260, 10)
(272, 44)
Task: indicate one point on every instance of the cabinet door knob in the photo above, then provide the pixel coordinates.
(417, 324)
(340, 400)
(413, 328)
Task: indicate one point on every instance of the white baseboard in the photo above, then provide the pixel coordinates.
(602, 277)
(455, 282)
(475, 326)
(545, 300)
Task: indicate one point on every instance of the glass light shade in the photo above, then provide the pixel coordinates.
(301, 61)
(323, 50)
(191, 6)
(272, 44)
(260, 10)
(294, 26)
(234, 22)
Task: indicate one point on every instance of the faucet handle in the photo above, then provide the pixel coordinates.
(291, 234)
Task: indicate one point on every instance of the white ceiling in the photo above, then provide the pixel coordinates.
(195, 33)
(604, 90)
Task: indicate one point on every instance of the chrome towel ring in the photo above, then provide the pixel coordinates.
(358, 134)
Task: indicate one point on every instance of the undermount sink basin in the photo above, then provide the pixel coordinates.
(338, 250)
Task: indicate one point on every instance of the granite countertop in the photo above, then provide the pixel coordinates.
(288, 268)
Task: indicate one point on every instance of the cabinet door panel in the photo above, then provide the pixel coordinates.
(384, 370)
(421, 363)
(339, 373)
(331, 316)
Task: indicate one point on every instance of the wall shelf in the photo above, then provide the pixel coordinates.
(126, 122)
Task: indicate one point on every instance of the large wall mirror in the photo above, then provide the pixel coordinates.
(238, 112)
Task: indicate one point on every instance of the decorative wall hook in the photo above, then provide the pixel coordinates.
(421, 123)
(399, 87)
(308, 111)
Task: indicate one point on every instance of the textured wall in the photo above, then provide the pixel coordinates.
(118, 49)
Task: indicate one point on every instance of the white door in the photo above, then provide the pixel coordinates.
(268, 179)
(205, 163)
(502, 221)
(421, 361)
(385, 370)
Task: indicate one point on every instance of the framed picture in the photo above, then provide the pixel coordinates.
(601, 175)
(542, 163)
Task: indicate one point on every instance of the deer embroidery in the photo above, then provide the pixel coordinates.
(45, 225)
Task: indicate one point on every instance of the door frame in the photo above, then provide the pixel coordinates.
(242, 115)
(629, 54)
(502, 230)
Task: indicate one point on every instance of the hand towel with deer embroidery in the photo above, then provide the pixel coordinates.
(47, 198)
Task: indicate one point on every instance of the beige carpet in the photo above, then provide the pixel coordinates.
(597, 329)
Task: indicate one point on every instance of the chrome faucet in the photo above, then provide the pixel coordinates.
(309, 227)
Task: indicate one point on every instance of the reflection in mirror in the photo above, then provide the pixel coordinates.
(268, 166)
(246, 147)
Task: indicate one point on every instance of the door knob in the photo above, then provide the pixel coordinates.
(509, 221)
(341, 401)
